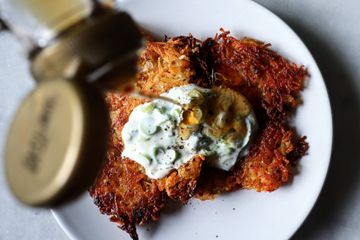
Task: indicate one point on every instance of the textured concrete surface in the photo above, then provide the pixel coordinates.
(330, 30)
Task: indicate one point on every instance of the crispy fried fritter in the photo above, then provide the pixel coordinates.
(271, 84)
(181, 184)
(268, 165)
(257, 72)
(123, 191)
(164, 65)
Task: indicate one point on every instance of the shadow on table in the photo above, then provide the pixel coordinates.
(344, 173)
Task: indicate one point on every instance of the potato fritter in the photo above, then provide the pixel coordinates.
(271, 84)
(164, 65)
(181, 184)
(122, 189)
(269, 164)
(268, 80)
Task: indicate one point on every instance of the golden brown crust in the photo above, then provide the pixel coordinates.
(262, 75)
(123, 191)
(268, 165)
(164, 65)
(271, 84)
(181, 184)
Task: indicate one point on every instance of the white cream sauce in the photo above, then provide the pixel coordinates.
(151, 136)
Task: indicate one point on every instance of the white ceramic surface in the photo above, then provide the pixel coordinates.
(243, 214)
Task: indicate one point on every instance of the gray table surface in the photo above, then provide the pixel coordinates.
(330, 29)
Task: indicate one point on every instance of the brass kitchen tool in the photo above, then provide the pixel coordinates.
(56, 142)
(58, 138)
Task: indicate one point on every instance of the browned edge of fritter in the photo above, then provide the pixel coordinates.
(272, 85)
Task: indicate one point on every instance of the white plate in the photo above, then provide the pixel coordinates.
(243, 214)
